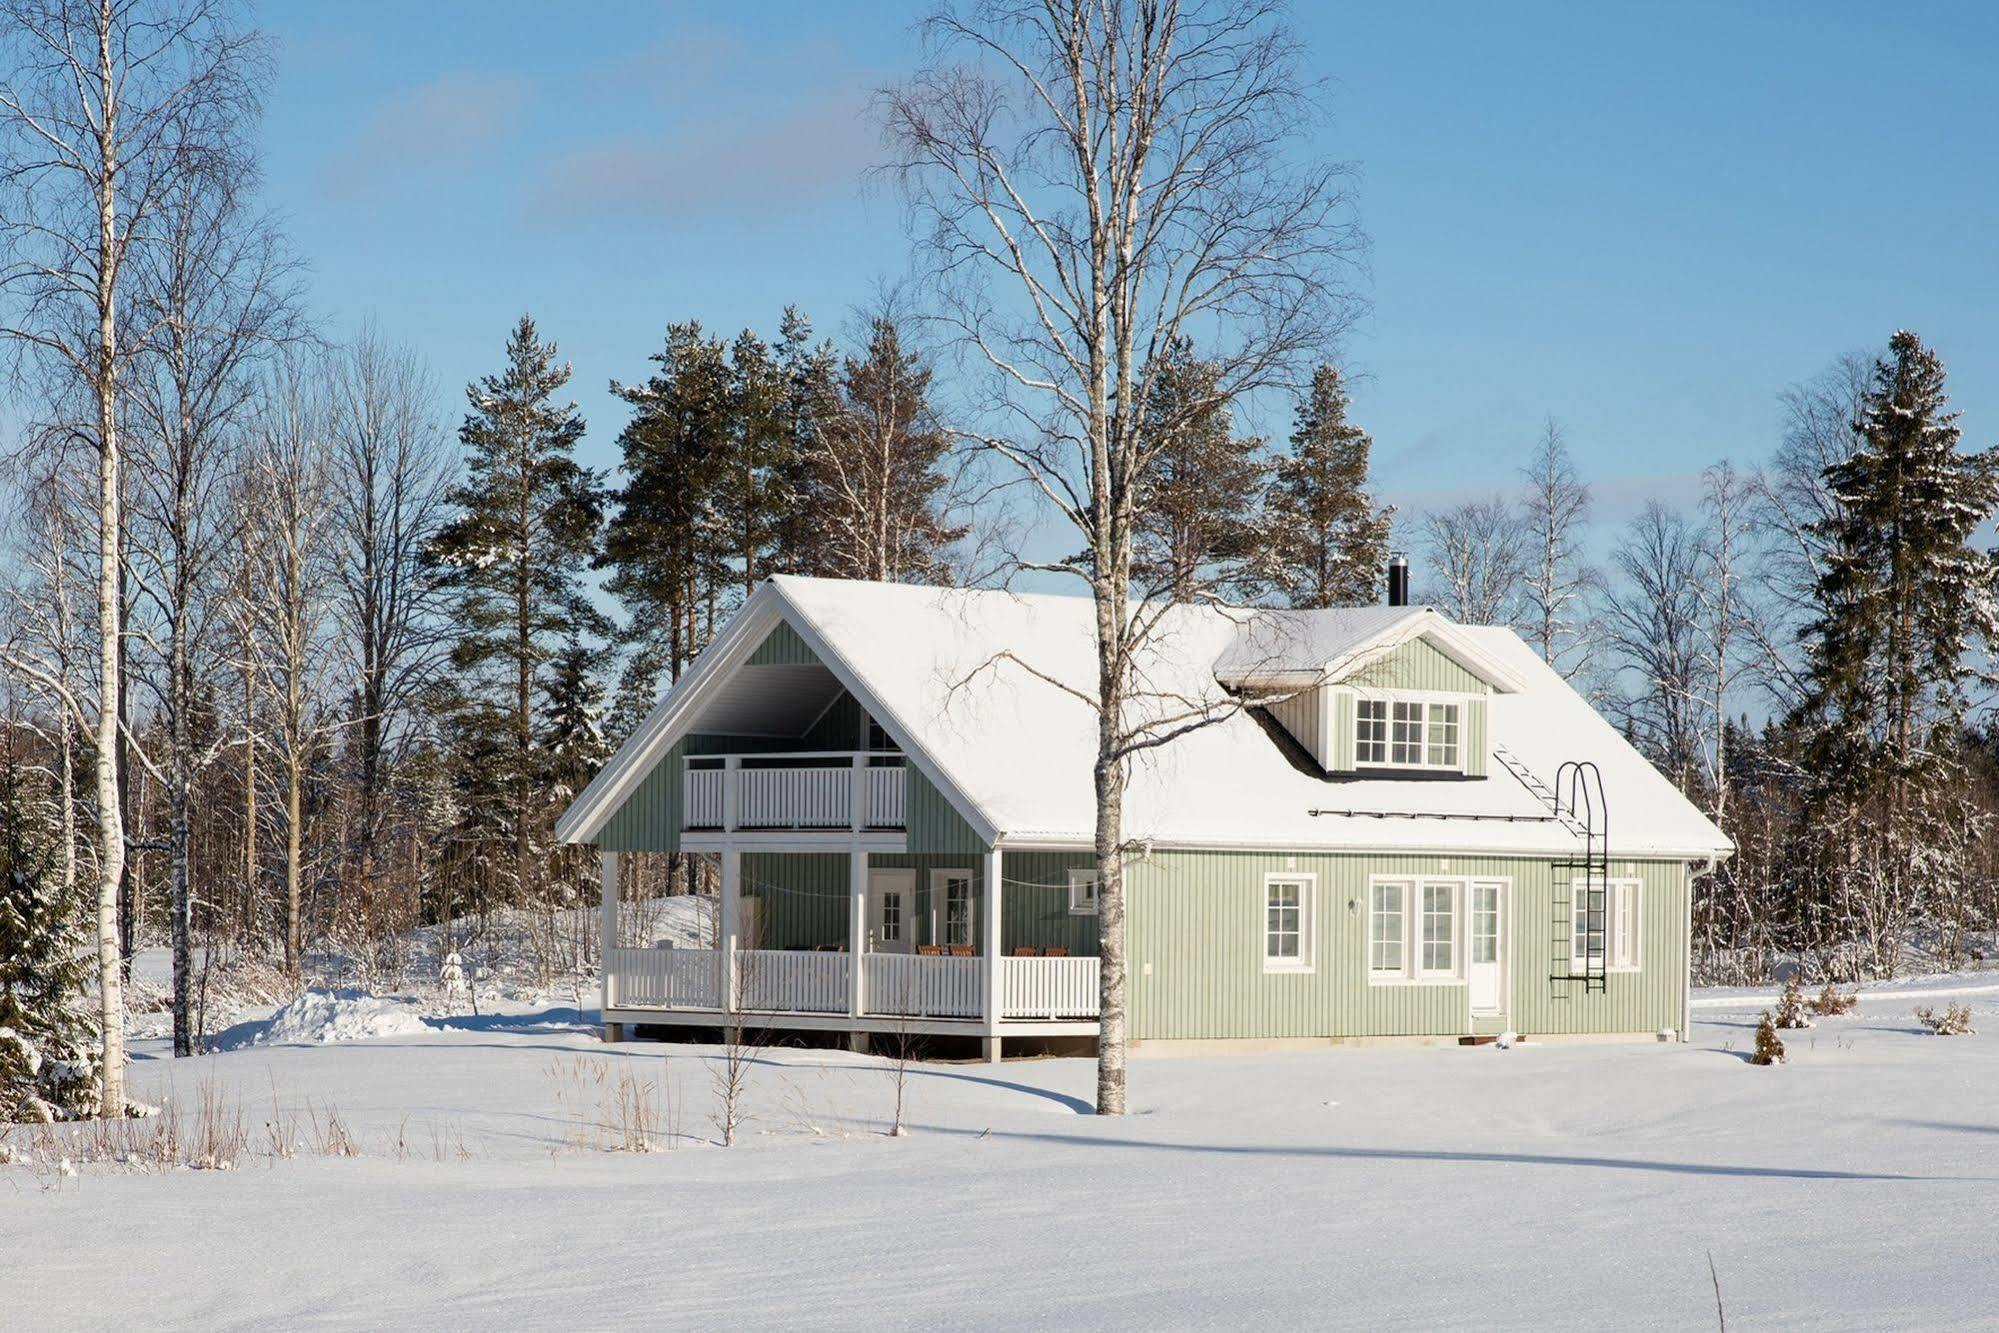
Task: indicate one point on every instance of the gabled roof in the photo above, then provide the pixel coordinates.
(942, 670)
(1288, 647)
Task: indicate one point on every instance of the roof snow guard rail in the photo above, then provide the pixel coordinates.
(1581, 899)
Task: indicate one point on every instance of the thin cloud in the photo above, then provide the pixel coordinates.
(725, 166)
(438, 124)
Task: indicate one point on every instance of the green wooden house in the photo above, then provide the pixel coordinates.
(1393, 826)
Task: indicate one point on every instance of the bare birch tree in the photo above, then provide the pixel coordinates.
(1124, 172)
(103, 104)
(1654, 619)
(1475, 559)
(1723, 617)
(1559, 581)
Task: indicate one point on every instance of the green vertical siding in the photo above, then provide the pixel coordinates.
(1418, 665)
(1341, 747)
(1196, 953)
(934, 825)
(1034, 909)
(649, 820)
(782, 647)
(1476, 750)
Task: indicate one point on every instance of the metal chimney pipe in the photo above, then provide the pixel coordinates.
(1398, 581)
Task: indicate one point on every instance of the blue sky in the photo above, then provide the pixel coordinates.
(1643, 220)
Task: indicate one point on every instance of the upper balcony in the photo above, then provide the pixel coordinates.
(806, 791)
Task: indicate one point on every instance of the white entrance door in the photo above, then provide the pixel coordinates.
(1486, 970)
(891, 910)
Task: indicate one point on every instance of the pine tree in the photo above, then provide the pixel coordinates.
(1328, 543)
(1903, 600)
(660, 544)
(811, 401)
(48, 1056)
(878, 469)
(1199, 528)
(755, 473)
(514, 554)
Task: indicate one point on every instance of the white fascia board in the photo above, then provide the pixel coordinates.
(1445, 638)
(668, 721)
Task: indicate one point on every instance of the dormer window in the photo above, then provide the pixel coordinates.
(1408, 733)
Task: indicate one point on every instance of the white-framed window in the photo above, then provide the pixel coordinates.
(1416, 928)
(1082, 893)
(1614, 914)
(1394, 731)
(1438, 930)
(891, 916)
(1387, 930)
(1370, 731)
(1287, 923)
(951, 902)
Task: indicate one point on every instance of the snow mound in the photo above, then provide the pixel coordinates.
(348, 1014)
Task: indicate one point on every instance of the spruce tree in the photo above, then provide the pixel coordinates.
(810, 402)
(573, 740)
(1199, 531)
(514, 553)
(662, 542)
(1903, 600)
(48, 1039)
(1328, 544)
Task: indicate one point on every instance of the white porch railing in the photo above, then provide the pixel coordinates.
(923, 986)
(775, 791)
(787, 981)
(1048, 987)
(661, 978)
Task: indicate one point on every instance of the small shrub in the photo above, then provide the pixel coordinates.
(1954, 1021)
(1769, 1046)
(1831, 1004)
(1791, 1006)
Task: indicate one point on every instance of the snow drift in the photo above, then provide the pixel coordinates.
(348, 1014)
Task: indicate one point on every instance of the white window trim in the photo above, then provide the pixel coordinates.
(940, 880)
(1413, 973)
(1308, 894)
(1080, 879)
(1427, 698)
(1616, 891)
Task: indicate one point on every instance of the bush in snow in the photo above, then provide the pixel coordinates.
(1769, 1046)
(48, 1039)
(1831, 1004)
(1954, 1021)
(1791, 1006)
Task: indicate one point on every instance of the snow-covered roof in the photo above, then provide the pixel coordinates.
(957, 676)
(1311, 647)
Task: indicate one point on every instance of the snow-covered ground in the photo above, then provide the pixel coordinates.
(1579, 1186)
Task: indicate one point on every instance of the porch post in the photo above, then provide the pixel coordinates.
(728, 931)
(857, 939)
(991, 902)
(609, 865)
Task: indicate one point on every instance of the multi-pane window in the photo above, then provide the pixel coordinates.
(1440, 929)
(1485, 923)
(1443, 736)
(1287, 914)
(1082, 893)
(891, 909)
(1408, 733)
(1606, 924)
(1371, 731)
(958, 910)
(1386, 934)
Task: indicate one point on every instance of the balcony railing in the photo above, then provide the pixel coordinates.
(857, 791)
(778, 981)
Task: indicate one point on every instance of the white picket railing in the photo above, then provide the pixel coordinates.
(1048, 987)
(789, 981)
(923, 986)
(661, 978)
(704, 797)
(886, 786)
(794, 797)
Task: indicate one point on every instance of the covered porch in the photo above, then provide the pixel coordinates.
(992, 946)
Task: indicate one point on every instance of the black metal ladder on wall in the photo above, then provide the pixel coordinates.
(1580, 948)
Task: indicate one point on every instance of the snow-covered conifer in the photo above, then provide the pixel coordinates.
(48, 1055)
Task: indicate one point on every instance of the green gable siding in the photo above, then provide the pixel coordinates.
(934, 825)
(1196, 952)
(782, 647)
(1417, 665)
(1340, 748)
(1477, 751)
(649, 820)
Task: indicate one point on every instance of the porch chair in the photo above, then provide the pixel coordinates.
(1057, 951)
(962, 951)
(930, 950)
(1027, 951)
